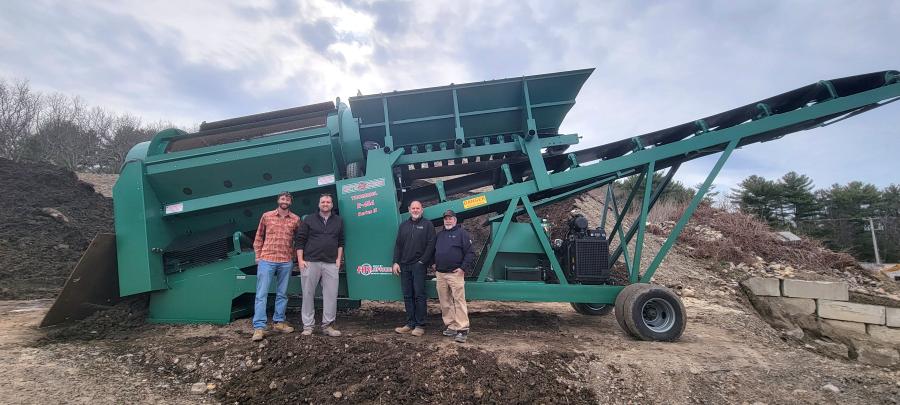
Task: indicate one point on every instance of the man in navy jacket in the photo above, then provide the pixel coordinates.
(453, 257)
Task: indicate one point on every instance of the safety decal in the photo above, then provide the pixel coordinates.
(475, 202)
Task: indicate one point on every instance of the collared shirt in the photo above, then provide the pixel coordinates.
(275, 237)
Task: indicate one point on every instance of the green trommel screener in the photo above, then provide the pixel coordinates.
(187, 204)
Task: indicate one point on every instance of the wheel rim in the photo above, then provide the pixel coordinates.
(658, 315)
(594, 307)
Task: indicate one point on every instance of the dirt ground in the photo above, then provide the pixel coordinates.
(517, 353)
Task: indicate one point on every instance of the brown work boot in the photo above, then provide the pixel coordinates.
(282, 327)
(403, 329)
(418, 331)
(258, 334)
(307, 331)
(329, 331)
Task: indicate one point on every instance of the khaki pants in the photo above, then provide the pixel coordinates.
(452, 294)
(327, 273)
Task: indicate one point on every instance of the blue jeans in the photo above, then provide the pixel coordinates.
(412, 281)
(264, 272)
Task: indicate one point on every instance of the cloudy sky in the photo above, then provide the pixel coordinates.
(657, 63)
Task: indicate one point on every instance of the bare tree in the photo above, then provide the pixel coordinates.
(64, 131)
(19, 107)
(127, 131)
(65, 136)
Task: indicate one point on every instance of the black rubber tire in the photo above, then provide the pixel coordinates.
(353, 170)
(655, 314)
(592, 309)
(620, 304)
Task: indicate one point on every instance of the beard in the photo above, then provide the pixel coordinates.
(284, 206)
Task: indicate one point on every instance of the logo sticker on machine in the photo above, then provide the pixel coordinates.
(475, 202)
(174, 208)
(326, 179)
(362, 185)
(367, 269)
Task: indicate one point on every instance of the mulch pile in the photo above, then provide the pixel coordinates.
(47, 219)
(742, 238)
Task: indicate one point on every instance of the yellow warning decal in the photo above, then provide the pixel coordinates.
(475, 202)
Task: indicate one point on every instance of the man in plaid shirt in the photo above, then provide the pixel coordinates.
(274, 248)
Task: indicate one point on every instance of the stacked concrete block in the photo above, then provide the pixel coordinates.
(764, 286)
(851, 312)
(892, 317)
(872, 330)
(835, 291)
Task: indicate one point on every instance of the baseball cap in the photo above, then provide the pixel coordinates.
(449, 213)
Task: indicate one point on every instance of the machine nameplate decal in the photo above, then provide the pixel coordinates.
(362, 185)
(367, 269)
(475, 202)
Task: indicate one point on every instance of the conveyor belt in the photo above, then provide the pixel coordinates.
(782, 103)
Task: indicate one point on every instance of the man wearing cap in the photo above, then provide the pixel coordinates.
(413, 251)
(453, 257)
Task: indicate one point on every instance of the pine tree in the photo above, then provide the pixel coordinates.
(798, 198)
(759, 197)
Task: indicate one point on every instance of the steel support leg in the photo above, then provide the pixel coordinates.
(656, 195)
(642, 222)
(495, 240)
(545, 241)
(688, 212)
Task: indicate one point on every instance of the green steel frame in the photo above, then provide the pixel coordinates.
(454, 125)
(644, 161)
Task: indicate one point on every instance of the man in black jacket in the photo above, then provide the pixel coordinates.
(453, 257)
(320, 249)
(412, 254)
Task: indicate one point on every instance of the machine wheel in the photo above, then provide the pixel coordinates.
(592, 309)
(620, 304)
(353, 170)
(655, 314)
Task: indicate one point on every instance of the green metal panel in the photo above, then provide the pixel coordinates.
(201, 294)
(519, 239)
(138, 230)
(482, 109)
(537, 292)
(369, 208)
(214, 176)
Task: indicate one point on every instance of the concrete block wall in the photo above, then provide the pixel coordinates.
(872, 330)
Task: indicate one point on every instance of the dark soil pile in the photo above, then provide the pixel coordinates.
(47, 219)
(323, 370)
(114, 323)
